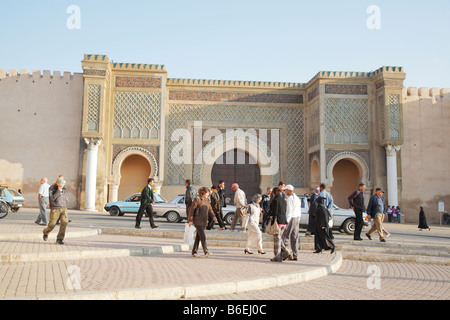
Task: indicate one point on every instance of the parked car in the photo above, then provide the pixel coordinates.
(12, 198)
(173, 210)
(343, 219)
(129, 205)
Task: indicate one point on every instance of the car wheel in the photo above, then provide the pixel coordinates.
(173, 216)
(229, 218)
(349, 226)
(114, 211)
(3, 210)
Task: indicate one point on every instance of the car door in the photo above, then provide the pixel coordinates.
(132, 204)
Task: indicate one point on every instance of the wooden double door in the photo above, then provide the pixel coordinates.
(242, 170)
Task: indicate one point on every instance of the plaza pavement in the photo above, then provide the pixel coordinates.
(125, 263)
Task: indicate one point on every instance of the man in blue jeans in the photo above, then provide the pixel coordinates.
(376, 209)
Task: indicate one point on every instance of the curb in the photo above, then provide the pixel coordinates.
(52, 236)
(90, 254)
(205, 289)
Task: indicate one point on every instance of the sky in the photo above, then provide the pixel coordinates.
(283, 40)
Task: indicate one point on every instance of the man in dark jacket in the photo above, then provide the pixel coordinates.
(356, 201)
(147, 200)
(376, 209)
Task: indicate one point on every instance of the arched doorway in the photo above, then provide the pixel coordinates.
(242, 171)
(346, 177)
(315, 174)
(134, 172)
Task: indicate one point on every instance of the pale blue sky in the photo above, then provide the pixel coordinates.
(283, 40)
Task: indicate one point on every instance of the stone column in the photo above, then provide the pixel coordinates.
(114, 192)
(391, 165)
(91, 172)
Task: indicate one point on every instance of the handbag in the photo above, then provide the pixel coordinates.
(272, 226)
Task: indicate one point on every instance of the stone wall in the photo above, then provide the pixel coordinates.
(425, 153)
(40, 130)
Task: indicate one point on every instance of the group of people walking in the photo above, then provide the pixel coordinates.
(280, 205)
(204, 208)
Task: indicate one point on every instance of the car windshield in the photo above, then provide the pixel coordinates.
(158, 198)
(14, 193)
(177, 199)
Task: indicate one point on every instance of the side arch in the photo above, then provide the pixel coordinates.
(118, 161)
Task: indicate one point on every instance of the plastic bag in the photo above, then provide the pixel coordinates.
(189, 234)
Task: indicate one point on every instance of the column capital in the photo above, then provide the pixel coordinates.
(93, 143)
(391, 149)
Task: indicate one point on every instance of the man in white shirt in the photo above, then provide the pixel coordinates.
(43, 203)
(293, 214)
(240, 203)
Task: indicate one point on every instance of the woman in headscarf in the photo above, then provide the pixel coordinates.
(423, 220)
(322, 239)
(254, 239)
(198, 216)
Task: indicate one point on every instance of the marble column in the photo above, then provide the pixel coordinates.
(91, 172)
(391, 167)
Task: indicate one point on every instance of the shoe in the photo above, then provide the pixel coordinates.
(367, 235)
(221, 229)
(318, 251)
(388, 235)
(246, 251)
(45, 237)
(261, 252)
(138, 227)
(59, 241)
(195, 255)
(383, 240)
(359, 239)
(293, 258)
(274, 259)
(154, 227)
(332, 251)
(208, 254)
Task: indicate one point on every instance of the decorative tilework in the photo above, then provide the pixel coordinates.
(351, 89)
(242, 117)
(382, 116)
(136, 115)
(346, 121)
(314, 124)
(138, 82)
(185, 95)
(394, 116)
(93, 116)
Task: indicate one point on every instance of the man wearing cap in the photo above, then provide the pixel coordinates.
(58, 209)
(376, 209)
(240, 203)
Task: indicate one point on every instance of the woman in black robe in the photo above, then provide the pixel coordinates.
(423, 220)
(322, 238)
